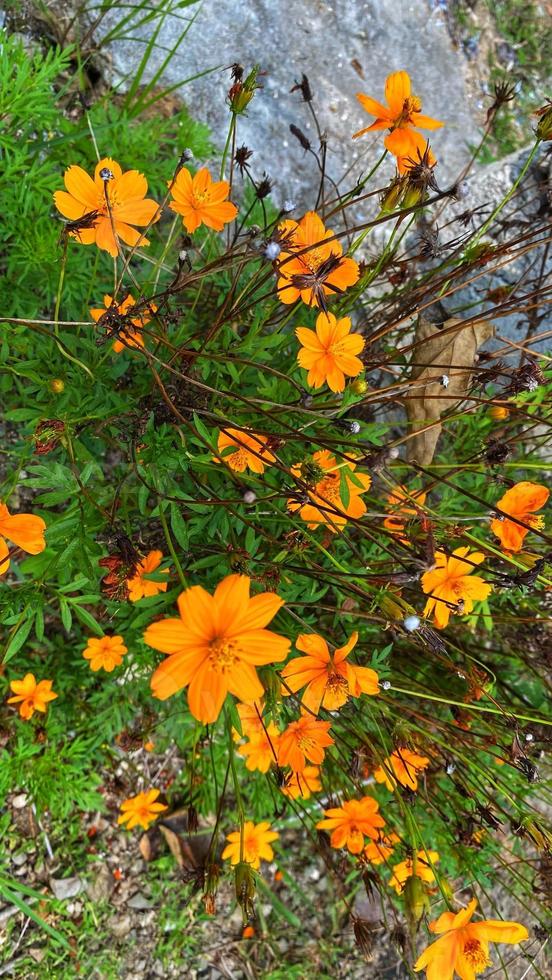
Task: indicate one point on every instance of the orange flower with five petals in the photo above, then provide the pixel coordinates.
(250, 450)
(25, 531)
(463, 946)
(400, 116)
(304, 740)
(215, 645)
(329, 680)
(520, 501)
(261, 751)
(251, 846)
(31, 695)
(141, 810)
(350, 823)
(129, 335)
(403, 767)
(328, 480)
(329, 353)
(302, 784)
(452, 585)
(315, 273)
(115, 201)
(140, 586)
(201, 201)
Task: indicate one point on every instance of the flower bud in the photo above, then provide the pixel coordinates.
(544, 126)
(498, 413)
(244, 879)
(416, 899)
(249, 497)
(391, 198)
(359, 386)
(57, 386)
(241, 92)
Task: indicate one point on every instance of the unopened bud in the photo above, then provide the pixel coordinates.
(242, 92)
(416, 898)
(544, 126)
(244, 878)
(187, 155)
(359, 386)
(57, 386)
(107, 174)
(498, 413)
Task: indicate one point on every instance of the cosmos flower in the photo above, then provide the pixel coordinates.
(215, 645)
(128, 205)
(379, 851)
(250, 450)
(403, 502)
(139, 586)
(31, 695)
(312, 274)
(329, 679)
(105, 652)
(302, 784)
(129, 334)
(452, 585)
(26, 531)
(254, 845)
(520, 501)
(305, 740)
(141, 810)
(405, 870)
(350, 823)
(261, 751)
(403, 766)
(201, 201)
(400, 116)
(329, 483)
(464, 945)
(329, 352)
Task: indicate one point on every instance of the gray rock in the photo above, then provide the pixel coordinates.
(101, 888)
(119, 925)
(343, 48)
(66, 887)
(139, 902)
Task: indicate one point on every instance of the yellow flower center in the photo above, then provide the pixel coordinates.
(201, 197)
(535, 522)
(328, 488)
(114, 201)
(222, 655)
(306, 743)
(337, 685)
(239, 459)
(476, 955)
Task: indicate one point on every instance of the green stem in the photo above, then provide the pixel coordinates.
(171, 548)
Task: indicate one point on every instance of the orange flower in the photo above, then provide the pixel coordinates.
(250, 718)
(25, 530)
(31, 696)
(249, 447)
(519, 502)
(141, 810)
(330, 680)
(105, 653)
(464, 945)
(302, 784)
(406, 502)
(329, 352)
(316, 273)
(401, 114)
(139, 586)
(130, 333)
(452, 584)
(261, 751)
(351, 823)
(305, 739)
(405, 870)
(128, 205)
(200, 201)
(379, 851)
(215, 645)
(403, 767)
(253, 847)
(329, 480)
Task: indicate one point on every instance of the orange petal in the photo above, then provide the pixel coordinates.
(68, 206)
(25, 530)
(374, 108)
(171, 636)
(206, 694)
(425, 122)
(397, 90)
(175, 673)
(81, 186)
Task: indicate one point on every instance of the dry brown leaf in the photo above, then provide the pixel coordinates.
(440, 351)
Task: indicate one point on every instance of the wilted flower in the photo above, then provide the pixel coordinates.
(312, 274)
(117, 320)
